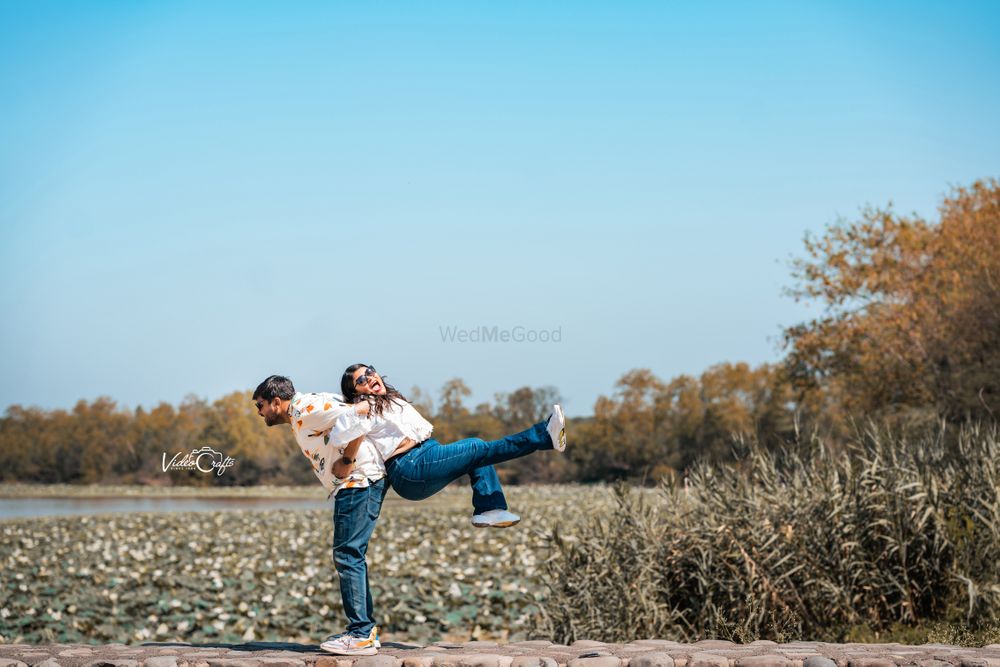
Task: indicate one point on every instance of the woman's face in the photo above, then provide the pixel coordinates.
(368, 381)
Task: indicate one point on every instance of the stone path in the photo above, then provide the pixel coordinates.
(643, 653)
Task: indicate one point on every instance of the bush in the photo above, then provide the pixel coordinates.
(792, 543)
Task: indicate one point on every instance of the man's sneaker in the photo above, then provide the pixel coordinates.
(557, 429)
(347, 644)
(495, 519)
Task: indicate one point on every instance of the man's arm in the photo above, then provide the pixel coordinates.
(341, 467)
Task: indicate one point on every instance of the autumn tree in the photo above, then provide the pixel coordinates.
(518, 410)
(28, 450)
(454, 421)
(650, 428)
(621, 440)
(701, 416)
(911, 310)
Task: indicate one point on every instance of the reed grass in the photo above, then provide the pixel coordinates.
(891, 534)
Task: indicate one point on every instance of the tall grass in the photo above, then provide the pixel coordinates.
(802, 542)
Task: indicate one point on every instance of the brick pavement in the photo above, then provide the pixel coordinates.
(642, 653)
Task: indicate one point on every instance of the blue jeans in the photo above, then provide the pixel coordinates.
(355, 512)
(431, 466)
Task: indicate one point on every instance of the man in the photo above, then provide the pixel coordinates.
(355, 475)
(355, 472)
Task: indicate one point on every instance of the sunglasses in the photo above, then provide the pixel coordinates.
(361, 379)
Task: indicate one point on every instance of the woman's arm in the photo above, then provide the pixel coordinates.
(341, 467)
(349, 425)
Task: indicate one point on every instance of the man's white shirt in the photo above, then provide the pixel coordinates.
(323, 424)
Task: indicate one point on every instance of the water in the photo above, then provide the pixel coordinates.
(22, 508)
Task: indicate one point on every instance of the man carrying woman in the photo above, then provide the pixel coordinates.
(370, 438)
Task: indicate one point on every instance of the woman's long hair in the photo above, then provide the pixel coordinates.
(377, 401)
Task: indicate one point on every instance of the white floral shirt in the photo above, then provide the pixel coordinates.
(314, 417)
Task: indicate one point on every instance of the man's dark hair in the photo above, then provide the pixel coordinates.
(274, 386)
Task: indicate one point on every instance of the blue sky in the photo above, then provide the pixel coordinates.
(195, 195)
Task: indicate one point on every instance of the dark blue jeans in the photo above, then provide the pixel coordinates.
(355, 512)
(431, 466)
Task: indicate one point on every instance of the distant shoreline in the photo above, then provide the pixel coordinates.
(22, 490)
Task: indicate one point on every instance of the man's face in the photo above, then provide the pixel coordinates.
(270, 411)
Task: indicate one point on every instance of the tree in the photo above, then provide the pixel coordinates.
(622, 440)
(700, 417)
(453, 395)
(650, 429)
(517, 411)
(454, 421)
(911, 321)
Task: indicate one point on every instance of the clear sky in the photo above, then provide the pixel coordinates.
(194, 195)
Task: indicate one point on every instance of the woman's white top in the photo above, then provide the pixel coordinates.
(398, 421)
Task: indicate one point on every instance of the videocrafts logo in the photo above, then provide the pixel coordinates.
(203, 459)
(494, 334)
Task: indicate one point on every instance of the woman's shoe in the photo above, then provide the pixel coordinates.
(557, 429)
(495, 519)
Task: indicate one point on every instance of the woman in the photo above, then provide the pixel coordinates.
(418, 466)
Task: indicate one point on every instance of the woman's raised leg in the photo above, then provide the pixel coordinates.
(422, 472)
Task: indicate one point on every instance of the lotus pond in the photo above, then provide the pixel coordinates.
(268, 576)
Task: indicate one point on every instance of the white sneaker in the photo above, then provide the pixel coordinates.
(557, 429)
(346, 644)
(495, 519)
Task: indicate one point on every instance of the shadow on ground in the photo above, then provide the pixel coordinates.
(268, 646)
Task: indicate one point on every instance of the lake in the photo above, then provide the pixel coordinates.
(22, 508)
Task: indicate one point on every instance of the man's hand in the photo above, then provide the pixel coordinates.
(342, 468)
